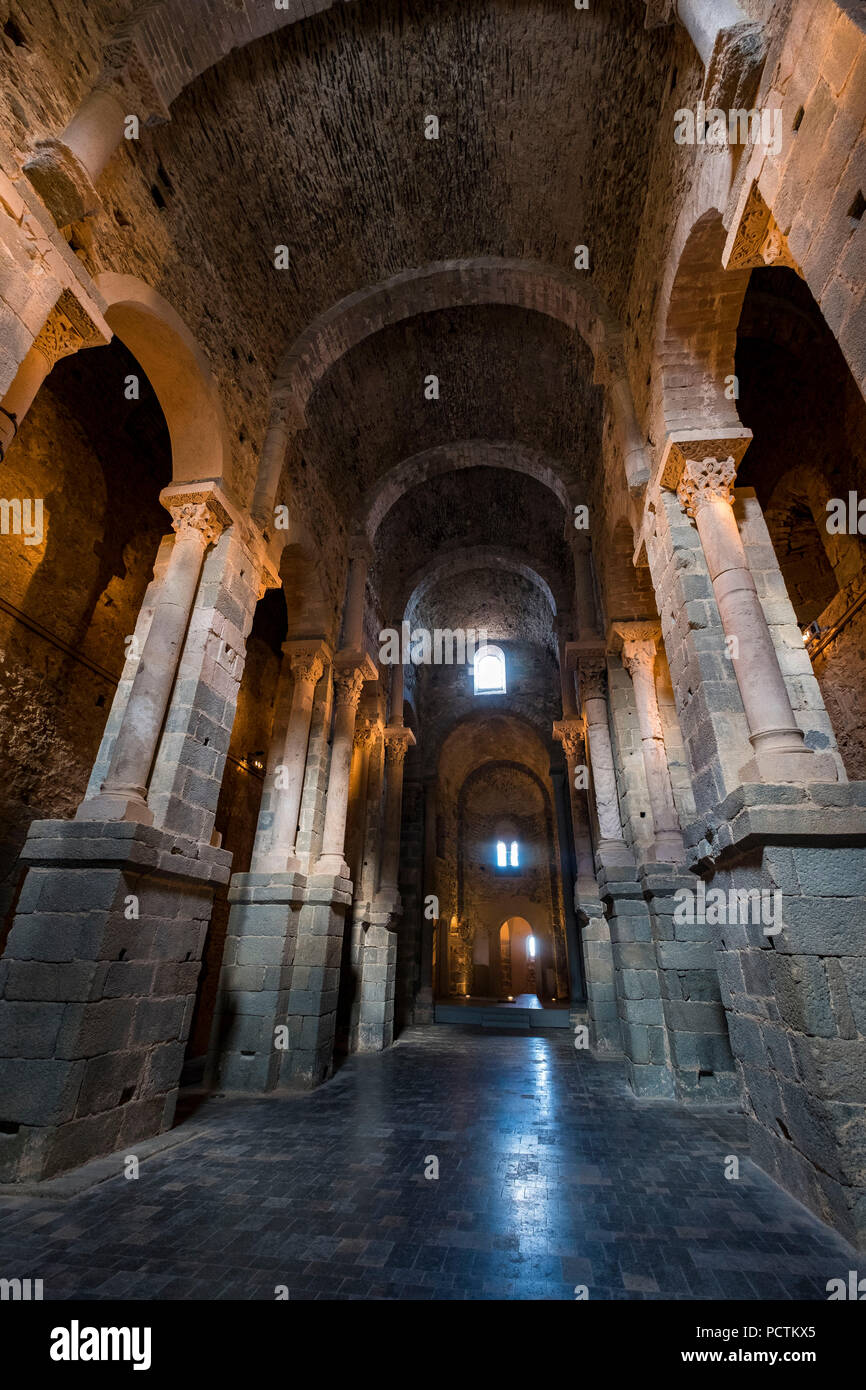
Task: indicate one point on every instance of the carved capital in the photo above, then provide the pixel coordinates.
(398, 740)
(197, 516)
(307, 669)
(684, 446)
(570, 733)
(348, 684)
(757, 240)
(592, 678)
(639, 645)
(67, 330)
(706, 480)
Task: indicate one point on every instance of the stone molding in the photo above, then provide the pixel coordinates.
(693, 446)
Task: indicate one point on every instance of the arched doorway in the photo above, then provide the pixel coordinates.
(520, 957)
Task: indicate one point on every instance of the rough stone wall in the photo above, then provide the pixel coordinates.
(97, 463)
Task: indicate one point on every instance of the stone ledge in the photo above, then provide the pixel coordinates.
(756, 814)
(80, 844)
(268, 888)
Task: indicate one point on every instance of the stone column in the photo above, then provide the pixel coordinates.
(274, 850)
(364, 739)
(639, 649)
(348, 684)
(584, 591)
(593, 693)
(198, 521)
(397, 740)
(64, 171)
(397, 675)
(360, 555)
(705, 492)
(565, 833)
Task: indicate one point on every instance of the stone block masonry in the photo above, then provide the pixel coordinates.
(97, 990)
(255, 980)
(794, 1001)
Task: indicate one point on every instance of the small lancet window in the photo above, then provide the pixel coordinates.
(489, 671)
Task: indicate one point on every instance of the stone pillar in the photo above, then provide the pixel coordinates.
(625, 929)
(565, 836)
(274, 850)
(397, 675)
(594, 696)
(348, 684)
(397, 741)
(705, 492)
(64, 171)
(639, 649)
(591, 929)
(360, 555)
(198, 522)
(585, 611)
(357, 820)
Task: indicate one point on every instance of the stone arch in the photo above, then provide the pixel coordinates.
(485, 280)
(449, 458)
(699, 335)
(479, 557)
(179, 372)
(627, 586)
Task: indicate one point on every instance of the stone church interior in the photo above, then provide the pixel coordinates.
(433, 649)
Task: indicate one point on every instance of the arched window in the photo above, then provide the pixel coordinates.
(507, 855)
(489, 671)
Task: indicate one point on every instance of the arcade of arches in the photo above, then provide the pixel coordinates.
(284, 368)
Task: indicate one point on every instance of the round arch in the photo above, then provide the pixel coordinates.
(179, 373)
(559, 294)
(450, 458)
(477, 557)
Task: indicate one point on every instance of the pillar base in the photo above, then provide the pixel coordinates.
(315, 983)
(374, 967)
(98, 988)
(332, 866)
(792, 765)
(250, 1036)
(795, 858)
(126, 805)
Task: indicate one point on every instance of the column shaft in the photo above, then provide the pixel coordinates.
(348, 683)
(123, 794)
(274, 850)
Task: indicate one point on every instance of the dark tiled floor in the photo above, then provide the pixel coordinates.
(550, 1175)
